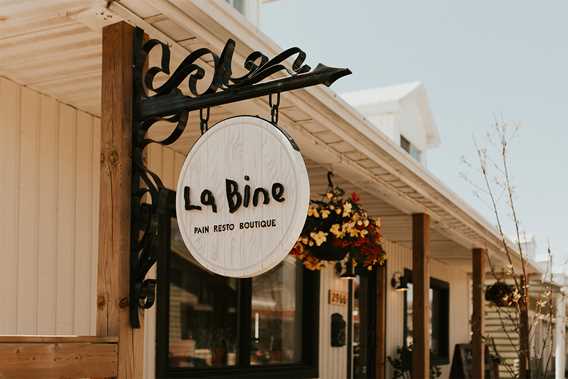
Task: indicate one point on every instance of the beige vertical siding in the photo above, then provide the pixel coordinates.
(399, 258)
(49, 168)
(49, 179)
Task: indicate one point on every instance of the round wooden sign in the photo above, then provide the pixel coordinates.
(242, 197)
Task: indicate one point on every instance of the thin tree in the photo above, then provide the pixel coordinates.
(498, 193)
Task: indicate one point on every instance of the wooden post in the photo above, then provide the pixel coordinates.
(477, 346)
(421, 296)
(116, 173)
(381, 350)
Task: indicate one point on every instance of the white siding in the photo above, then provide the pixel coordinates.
(49, 168)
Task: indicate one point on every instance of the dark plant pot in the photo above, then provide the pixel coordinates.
(498, 292)
(328, 252)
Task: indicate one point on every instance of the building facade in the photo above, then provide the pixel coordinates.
(289, 322)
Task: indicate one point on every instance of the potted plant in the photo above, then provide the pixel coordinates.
(502, 294)
(402, 365)
(339, 229)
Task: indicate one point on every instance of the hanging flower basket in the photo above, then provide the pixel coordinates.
(502, 294)
(337, 229)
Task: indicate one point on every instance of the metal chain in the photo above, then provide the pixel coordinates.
(204, 121)
(274, 108)
(330, 180)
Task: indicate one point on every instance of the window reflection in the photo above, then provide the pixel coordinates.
(438, 320)
(203, 313)
(361, 314)
(205, 308)
(409, 296)
(276, 315)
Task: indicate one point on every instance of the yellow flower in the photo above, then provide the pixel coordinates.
(364, 232)
(319, 237)
(313, 211)
(349, 228)
(329, 195)
(366, 222)
(324, 213)
(346, 209)
(338, 211)
(336, 231)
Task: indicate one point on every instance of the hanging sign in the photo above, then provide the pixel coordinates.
(242, 197)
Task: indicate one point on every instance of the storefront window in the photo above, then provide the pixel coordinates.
(277, 315)
(216, 324)
(439, 318)
(203, 314)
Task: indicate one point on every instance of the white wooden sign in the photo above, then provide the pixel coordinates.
(242, 197)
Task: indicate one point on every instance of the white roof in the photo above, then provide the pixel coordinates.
(394, 99)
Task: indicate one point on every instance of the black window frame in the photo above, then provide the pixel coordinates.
(308, 368)
(443, 289)
(405, 144)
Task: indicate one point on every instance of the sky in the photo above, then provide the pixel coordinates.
(480, 61)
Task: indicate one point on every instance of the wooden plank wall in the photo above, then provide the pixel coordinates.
(49, 169)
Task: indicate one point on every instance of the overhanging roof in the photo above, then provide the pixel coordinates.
(54, 46)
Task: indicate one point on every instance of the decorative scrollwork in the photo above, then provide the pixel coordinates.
(258, 67)
(155, 102)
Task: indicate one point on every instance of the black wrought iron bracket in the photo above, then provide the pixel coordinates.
(152, 202)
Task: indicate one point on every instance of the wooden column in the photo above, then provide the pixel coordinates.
(477, 346)
(421, 295)
(116, 173)
(381, 350)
